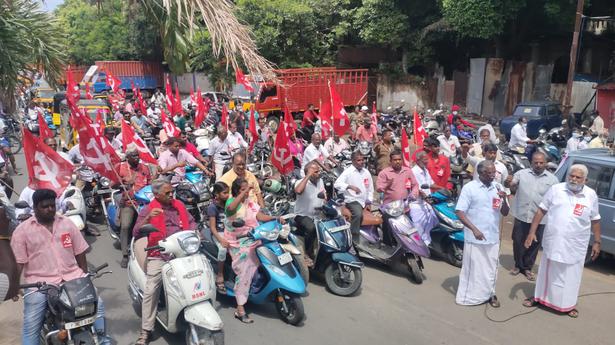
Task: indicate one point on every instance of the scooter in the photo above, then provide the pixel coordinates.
(73, 206)
(408, 245)
(447, 237)
(332, 252)
(276, 279)
(72, 309)
(188, 286)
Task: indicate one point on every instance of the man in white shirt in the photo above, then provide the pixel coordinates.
(153, 112)
(316, 151)
(572, 212)
(335, 145)
(479, 207)
(448, 143)
(573, 143)
(220, 151)
(422, 174)
(235, 138)
(597, 126)
(115, 142)
(358, 188)
(490, 152)
(308, 190)
(518, 134)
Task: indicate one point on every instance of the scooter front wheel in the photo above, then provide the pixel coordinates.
(343, 280)
(290, 308)
(415, 270)
(204, 336)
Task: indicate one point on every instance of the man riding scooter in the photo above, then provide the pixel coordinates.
(307, 191)
(169, 216)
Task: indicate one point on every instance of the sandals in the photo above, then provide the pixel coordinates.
(221, 287)
(144, 338)
(573, 313)
(243, 318)
(529, 275)
(515, 271)
(530, 302)
(493, 301)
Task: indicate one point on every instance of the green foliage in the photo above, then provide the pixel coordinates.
(27, 44)
(203, 60)
(480, 18)
(381, 22)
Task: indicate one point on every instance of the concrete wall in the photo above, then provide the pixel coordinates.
(390, 93)
(582, 92)
(193, 80)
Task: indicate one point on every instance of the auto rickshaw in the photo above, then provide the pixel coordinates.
(44, 97)
(91, 106)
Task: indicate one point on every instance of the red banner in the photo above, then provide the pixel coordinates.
(169, 95)
(224, 119)
(289, 122)
(43, 130)
(202, 109)
(419, 132)
(341, 122)
(130, 137)
(252, 128)
(177, 109)
(46, 168)
(114, 83)
(405, 147)
(325, 120)
(72, 90)
(240, 78)
(96, 150)
(280, 156)
(169, 127)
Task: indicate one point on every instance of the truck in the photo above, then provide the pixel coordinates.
(145, 75)
(298, 87)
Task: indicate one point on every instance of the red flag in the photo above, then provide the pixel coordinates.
(419, 132)
(72, 89)
(140, 103)
(192, 96)
(202, 109)
(289, 122)
(252, 128)
(168, 125)
(96, 150)
(100, 121)
(177, 110)
(130, 137)
(341, 122)
(374, 115)
(88, 92)
(169, 95)
(114, 83)
(281, 157)
(43, 130)
(405, 147)
(46, 168)
(224, 119)
(325, 120)
(240, 78)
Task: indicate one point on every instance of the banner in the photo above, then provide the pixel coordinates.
(46, 168)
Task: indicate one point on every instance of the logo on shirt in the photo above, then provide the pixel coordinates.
(496, 203)
(408, 183)
(578, 209)
(67, 242)
(366, 182)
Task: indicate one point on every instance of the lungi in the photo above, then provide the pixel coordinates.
(479, 270)
(558, 284)
(424, 219)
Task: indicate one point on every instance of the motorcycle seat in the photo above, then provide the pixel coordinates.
(368, 217)
(140, 253)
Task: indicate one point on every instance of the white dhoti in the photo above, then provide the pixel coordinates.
(558, 284)
(218, 169)
(424, 219)
(478, 274)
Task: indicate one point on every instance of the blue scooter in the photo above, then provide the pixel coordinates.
(111, 208)
(276, 279)
(447, 237)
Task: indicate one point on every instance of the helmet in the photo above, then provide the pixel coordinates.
(364, 108)
(272, 186)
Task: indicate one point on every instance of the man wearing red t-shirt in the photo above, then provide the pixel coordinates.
(309, 117)
(439, 166)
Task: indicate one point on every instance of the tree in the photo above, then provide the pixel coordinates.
(28, 44)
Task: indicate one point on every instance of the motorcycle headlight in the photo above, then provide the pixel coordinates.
(269, 235)
(85, 309)
(64, 299)
(190, 244)
(329, 240)
(105, 182)
(395, 208)
(453, 223)
(285, 231)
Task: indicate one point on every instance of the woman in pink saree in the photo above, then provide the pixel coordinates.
(241, 247)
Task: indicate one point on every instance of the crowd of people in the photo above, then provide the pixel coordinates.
(559, 217)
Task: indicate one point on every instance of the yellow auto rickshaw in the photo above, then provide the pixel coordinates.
(91, 107)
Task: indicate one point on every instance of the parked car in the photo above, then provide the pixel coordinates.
(601, 166)
(540, 114)
(216, 97)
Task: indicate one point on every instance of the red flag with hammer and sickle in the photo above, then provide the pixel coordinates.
(46, 168)
(281, 157)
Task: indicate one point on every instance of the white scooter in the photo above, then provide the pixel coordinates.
(202, 136)
(73, 206)
(188, 286)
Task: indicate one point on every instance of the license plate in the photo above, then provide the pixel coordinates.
(285, 258)
(80, 323)
(339, 228)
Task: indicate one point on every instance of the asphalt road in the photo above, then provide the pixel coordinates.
(389, 309)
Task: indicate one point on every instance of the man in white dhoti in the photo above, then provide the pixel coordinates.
(479, 208)
(572, 211)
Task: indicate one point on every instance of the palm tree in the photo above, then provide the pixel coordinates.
(29, 43)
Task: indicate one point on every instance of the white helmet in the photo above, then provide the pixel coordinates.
(364, 108)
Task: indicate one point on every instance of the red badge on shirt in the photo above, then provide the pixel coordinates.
(578, 209)
(496, 203)
(408, 183)
(366, 182)
(67, 242)
(440, 172)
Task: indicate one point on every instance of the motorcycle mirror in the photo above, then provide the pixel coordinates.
(321, 195)
(69, 193)
(147, 229)
(22, 204)
(424, 186)
(238, 223)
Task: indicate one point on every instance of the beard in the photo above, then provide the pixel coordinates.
(574, 187)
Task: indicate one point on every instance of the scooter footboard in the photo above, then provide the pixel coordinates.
(203, 315)
(282, 276)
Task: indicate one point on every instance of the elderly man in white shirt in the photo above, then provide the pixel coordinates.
(448, 143)
(572, 215)
(335, 145)
(357, 185)
(220, 151)
(479, 207)
(315, 151)
(518, 134)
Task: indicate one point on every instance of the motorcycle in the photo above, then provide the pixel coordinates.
(446, 238)
(515, 159)
(258, 161)
(544, 144)
(408, 244)
(276, 279)
(367, 151)
(71, 310)
(202, 137)
(194, 192)
(188, 286)
(73, 206)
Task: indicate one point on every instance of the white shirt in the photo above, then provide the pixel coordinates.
(569, 217)
(423, 177)
(501, 173)
(360, 179)
(75, 155)
(220, 150)
(311, 153)
(597, 126)
(481, 205)
(518, 136)
(335, 148)
(449, 146)
(236, 141)
(308, 200)
(572, 145)
(153, 113)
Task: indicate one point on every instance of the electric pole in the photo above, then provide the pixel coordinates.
(573, 56)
